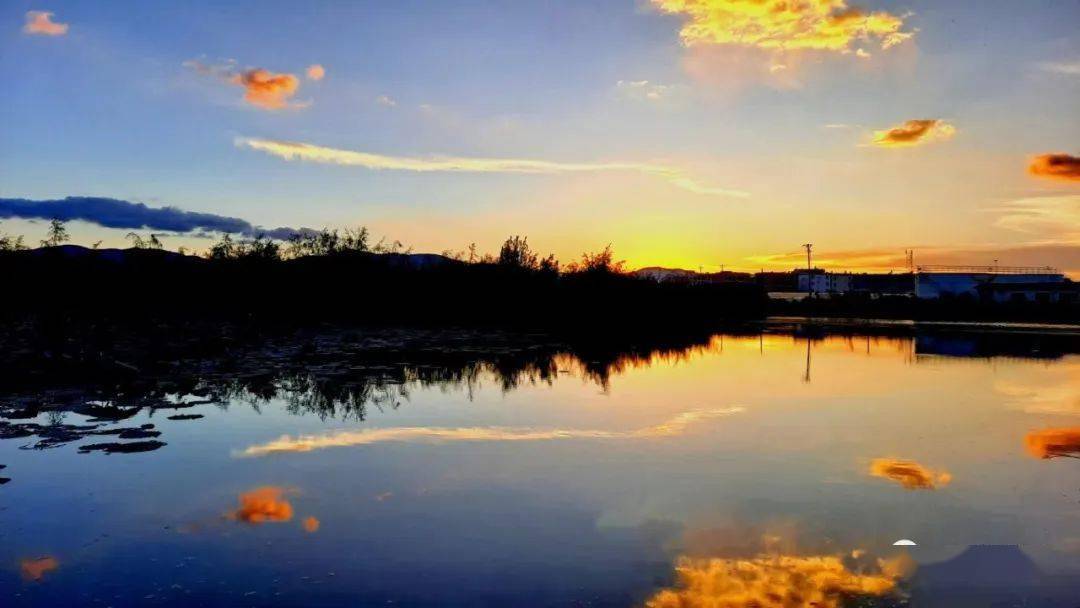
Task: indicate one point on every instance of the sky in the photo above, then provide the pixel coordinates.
(685, 133)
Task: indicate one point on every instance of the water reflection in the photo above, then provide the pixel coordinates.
(35, 569)
(777, 581)
(265, 504)
(568, 474)
(337, 376)
(909, 474)
(1054, 443)
(307, 443)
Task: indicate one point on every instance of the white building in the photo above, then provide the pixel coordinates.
(819, 282)
(936, 281)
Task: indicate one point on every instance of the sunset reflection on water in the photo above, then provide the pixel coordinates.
(778, 467)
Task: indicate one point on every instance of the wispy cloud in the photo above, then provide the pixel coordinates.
(1053, 219)
(909, 474)
(1067, 68)
(827, 25)
(315, 72)
(1056, 392)
(1056, 166)
(913, 133)
(455, 164)
(40, 23)
(114, 213)
(262, 88)
(644, 90)
(386, 101)
(307, 443)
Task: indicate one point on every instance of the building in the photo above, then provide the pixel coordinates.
(1061, 292)
(980, 282)
(819, 282)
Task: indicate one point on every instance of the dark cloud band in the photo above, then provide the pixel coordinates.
(114, 213)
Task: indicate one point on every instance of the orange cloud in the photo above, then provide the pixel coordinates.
(913, 133)
(1054, 443)
(316, 72)
(266, 89)
(264, 504)
(310, 524)
(780, 581)
(910, 474)
(828, 25)
(40, 23)
(34, 569)
(1056, 166)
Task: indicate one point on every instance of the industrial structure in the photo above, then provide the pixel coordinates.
(995, 283)
(982, 283)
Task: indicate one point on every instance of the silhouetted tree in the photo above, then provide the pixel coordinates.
(329, 242)
(56, 234)
(516, 253)
(601, 262)
(11, 243)
(136, 240)
(394, 246)
(259, 248)
(154, 242)
(223, 249)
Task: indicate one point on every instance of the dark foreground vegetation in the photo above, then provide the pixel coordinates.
(65, 291)
(336, 277)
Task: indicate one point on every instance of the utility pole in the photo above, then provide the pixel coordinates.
(809, 270)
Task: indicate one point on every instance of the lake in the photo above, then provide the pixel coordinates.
(777, 465)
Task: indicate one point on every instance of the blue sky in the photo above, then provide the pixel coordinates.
(109, 109)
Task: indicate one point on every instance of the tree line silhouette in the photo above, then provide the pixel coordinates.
(340, 275)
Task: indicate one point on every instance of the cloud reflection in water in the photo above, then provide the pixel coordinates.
(775, 581)
(307, 443)
(909, 474)
(1054, 443)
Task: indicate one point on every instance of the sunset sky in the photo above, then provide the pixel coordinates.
(685, 133)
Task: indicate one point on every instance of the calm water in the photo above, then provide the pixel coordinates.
(741, 468)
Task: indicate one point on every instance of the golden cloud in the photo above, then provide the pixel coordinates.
(262, 88)
(40, 23)
(827, 25)
(913, 133)
(35, 569)
(772, 581)
(310, 524)
(909, 474)
(319, 154)
(316, 72)
(266, 89)
(1056, 166)
(264, 504)
(1054, 443)
(307, 443)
